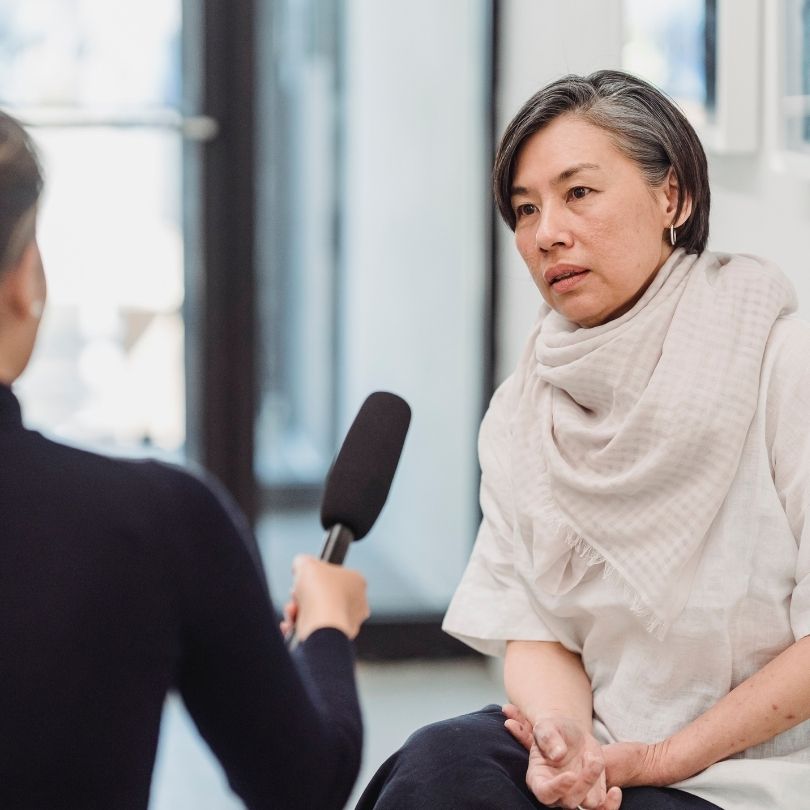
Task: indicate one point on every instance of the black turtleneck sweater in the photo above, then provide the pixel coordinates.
(120, 580)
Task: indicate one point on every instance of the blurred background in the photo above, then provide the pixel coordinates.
(259, 211)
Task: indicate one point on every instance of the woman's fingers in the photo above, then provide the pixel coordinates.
(550, 741)
(517, 725)
(290, 613)
(589, 788)
(613, 800)
(550, 790)
(566, 765)
(513, 713)
(556, 737)
(520, 733)
(582, 785)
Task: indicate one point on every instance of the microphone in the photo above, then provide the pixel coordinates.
(360, 477)
(359, 480)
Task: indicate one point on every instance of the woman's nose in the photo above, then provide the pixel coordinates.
(552, 230)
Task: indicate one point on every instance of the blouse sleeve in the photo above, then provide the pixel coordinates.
(491, 604)
(789, 442)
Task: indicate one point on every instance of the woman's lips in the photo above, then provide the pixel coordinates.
(568, 282)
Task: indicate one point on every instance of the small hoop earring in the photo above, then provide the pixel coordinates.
(672, 235)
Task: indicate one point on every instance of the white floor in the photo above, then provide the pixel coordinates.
(396, 698)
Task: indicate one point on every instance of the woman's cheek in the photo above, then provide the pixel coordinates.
(532, 262)
(524, 244)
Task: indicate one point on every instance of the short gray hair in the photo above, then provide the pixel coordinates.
(646, 126)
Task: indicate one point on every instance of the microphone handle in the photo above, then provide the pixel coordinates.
(335, 545)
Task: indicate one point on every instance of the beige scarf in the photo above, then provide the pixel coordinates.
(625, 437)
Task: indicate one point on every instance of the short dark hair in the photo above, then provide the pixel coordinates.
(645, 125)
(21, 184)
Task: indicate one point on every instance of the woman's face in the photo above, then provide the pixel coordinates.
(589, 226)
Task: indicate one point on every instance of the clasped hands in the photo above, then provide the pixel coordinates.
(569, 768)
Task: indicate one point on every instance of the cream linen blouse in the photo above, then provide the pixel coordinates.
(750, 598)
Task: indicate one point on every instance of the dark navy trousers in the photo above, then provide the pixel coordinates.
(473, 763)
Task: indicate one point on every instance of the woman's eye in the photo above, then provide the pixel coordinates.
(578, 192)
(525, 210)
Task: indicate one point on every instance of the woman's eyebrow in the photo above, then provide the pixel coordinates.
(567, 174)
(564, 175)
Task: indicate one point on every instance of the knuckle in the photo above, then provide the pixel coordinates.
(542, 735)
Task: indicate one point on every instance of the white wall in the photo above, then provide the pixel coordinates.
(758, 206)
(414, 211)
(760, 203)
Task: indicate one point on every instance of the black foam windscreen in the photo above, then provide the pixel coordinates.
(361, 474)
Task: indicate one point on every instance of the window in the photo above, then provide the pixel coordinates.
(705, 55)
(373, 246)
(99, 85)
(297, 246)
(674, 47)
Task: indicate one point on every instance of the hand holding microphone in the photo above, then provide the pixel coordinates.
(325, 595)
(357, 486)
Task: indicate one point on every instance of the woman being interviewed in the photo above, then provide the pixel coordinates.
(642, 561)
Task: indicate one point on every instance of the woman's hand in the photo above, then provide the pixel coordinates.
(290, 615)
(325, 595)
(518, 725)
(566, 767)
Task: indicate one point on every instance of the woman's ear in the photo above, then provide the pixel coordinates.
(22, 286)
(672, 193)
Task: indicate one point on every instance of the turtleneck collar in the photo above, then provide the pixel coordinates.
(10, 414)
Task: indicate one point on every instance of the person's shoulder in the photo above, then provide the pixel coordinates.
(789, 341)
(786, 369)
(147, 479)
(80, 465)
(111, 465)
(189, 486)
(199, 515)
(785, 397)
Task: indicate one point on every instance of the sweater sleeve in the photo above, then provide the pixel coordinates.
(789, 443)
(286, 730)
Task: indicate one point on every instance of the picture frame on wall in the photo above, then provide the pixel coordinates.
(705, 54)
